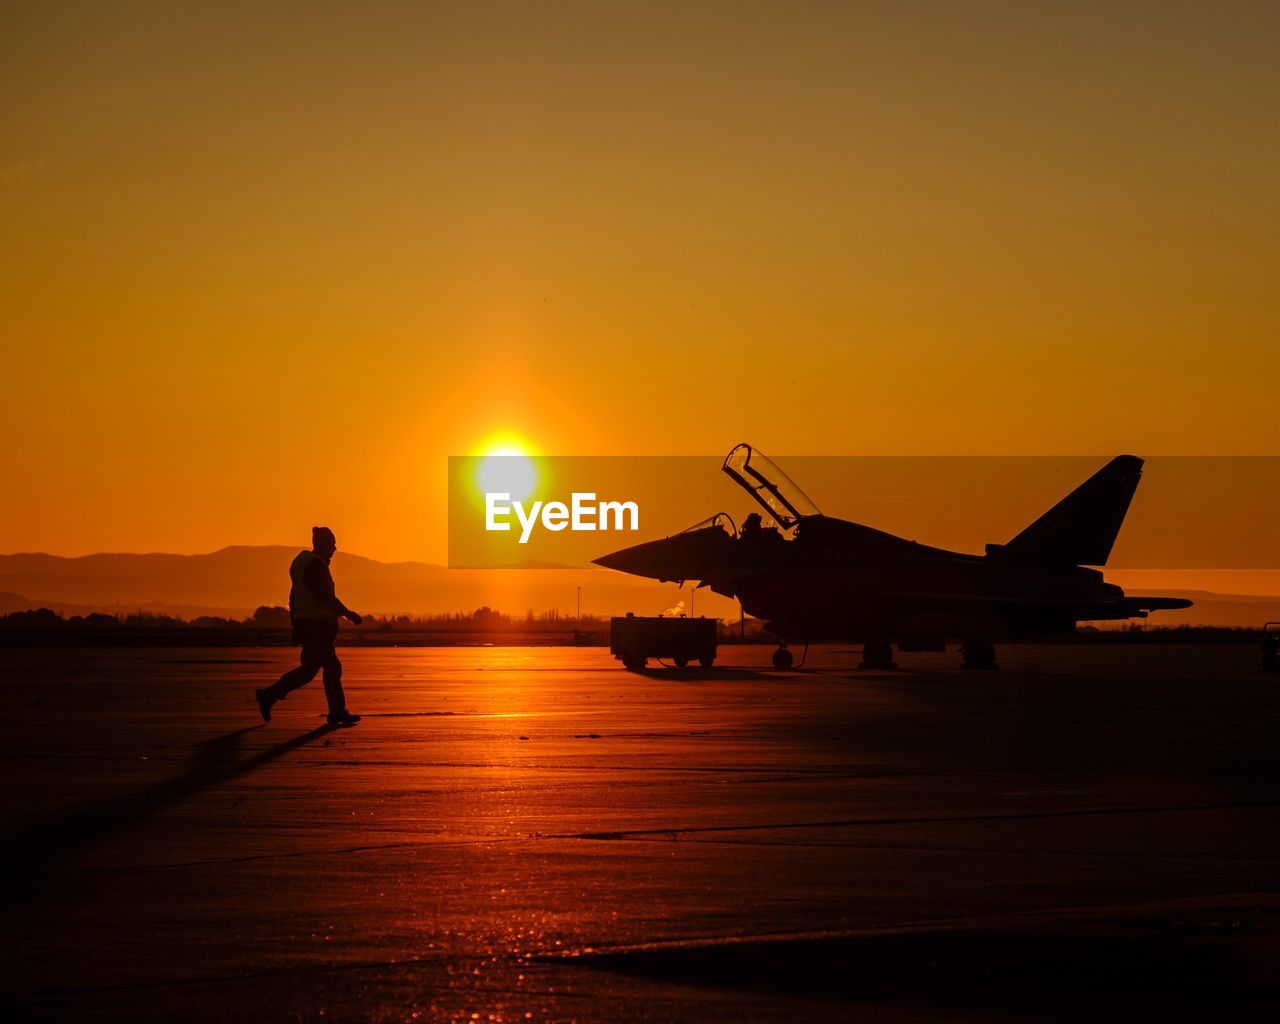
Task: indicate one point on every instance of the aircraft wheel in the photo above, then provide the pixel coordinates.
(681, 662)
(979, 655)
(877, 654)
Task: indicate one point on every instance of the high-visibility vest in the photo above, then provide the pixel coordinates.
(302, 602)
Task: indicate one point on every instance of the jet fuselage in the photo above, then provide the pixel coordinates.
(822, 578)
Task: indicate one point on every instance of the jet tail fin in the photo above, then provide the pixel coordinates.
(1081, 529)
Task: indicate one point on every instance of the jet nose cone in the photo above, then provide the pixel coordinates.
(686, 556)
(639, 560)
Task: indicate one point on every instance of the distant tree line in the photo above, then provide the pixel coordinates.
(275, 617)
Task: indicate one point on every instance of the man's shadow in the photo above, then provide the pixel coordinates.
(44, 848)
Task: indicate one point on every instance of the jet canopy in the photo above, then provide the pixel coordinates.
(721, 521)
(775, 492)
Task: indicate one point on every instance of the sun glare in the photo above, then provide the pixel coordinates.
(505, 466)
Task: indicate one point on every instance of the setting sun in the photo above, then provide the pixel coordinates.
(506, 465)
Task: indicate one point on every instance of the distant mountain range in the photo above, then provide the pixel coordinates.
(1212, 609)
(236, 580)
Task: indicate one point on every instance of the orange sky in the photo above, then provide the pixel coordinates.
(263, 269)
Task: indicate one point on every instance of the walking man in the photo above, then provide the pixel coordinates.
(314, 609)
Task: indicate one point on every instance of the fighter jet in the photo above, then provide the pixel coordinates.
(813, 577)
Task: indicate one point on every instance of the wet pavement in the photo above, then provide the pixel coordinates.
(535, 834)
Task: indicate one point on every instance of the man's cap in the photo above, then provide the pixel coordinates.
(322, 533)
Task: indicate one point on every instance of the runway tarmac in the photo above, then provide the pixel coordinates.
(521, 834)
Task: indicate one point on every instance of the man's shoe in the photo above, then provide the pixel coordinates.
(343, 718)
(264, 704)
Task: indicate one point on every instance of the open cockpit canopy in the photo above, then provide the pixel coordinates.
(776, 492)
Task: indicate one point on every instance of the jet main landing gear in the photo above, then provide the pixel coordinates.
(877, 654)
(979, 655)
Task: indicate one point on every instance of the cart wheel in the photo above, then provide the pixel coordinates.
(682, 662)
(634, 662)
(978, 654)
(707, 662)
(782, 659)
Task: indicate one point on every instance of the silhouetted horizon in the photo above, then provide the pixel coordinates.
(235, 579)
